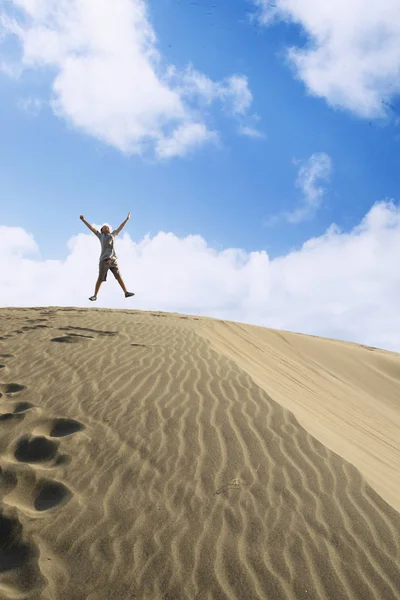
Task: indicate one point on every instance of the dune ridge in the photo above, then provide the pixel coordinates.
(149, 464)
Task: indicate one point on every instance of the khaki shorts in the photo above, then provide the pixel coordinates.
(108, 264)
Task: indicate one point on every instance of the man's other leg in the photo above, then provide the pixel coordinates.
(121, 282)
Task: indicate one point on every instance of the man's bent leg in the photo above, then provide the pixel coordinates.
(121, 282)
(115, 271)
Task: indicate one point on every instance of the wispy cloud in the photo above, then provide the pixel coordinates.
(232, 92)
(31, 106)
(266, 11)
(252, 132)
(312, 177)
(184, 138)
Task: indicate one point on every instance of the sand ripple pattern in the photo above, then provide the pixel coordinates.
(191, 483)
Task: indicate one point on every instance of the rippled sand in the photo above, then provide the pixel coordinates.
(163, 457)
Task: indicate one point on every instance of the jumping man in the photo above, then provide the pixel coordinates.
(108, 258)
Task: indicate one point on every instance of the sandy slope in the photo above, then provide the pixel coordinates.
(345, 395)
(153, 456)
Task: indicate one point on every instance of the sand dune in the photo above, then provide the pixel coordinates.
(164, 457)
(345, 395)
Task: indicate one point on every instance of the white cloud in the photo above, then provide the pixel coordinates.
(185, 137)
(343, 285)
(109, 78)
(312, 174)
(311, 177)
(31, 106)
(17, 239)
(352, 54)
(267, 11)
(236, 92)
(249, 127)
(251, 132)
(232, 91)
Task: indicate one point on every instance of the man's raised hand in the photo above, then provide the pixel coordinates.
(82, 218)
(129, 216)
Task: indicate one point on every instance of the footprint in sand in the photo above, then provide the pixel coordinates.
(3, 366)
(59, 427)
(9, 389)
(50, 494)
(30, 492)
(38, 494)
(13, 551)
(72, 338)
(22, 407)
(36, 320)
(20, 574)
(17, 414)
(24, 329)
(23, 490)
(11, 417)
(36, 449)
(8, 481)
(101, 332)
(65, 427)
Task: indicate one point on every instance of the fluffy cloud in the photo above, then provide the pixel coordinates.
(352, 56)
(342, 285)
(109, 78)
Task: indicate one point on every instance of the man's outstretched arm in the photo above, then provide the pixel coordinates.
(120, 228)
(92, 229)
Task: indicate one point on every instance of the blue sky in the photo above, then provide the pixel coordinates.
(204, 125)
